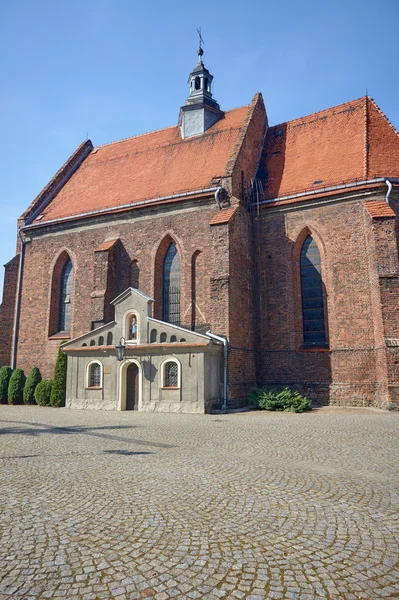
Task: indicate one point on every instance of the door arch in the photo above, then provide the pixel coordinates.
(130, 389)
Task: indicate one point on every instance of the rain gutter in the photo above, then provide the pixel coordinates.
(328, 189)
(112, 209)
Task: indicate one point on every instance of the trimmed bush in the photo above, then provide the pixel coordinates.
(43, 392)
(279, 399)
(5, 374)
(58, 390)
(16, 387)
(32, 380)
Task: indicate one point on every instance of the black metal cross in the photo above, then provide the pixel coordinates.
(201, 41)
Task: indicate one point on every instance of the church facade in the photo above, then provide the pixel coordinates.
(272, 251)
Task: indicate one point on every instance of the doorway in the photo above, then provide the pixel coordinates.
(132, 387)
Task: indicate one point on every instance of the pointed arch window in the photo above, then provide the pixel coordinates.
(64, 323)
(171, 286)
(313, 309)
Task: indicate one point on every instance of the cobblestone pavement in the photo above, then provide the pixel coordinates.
(158, 506)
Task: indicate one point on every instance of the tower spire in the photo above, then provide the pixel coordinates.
(200, 110)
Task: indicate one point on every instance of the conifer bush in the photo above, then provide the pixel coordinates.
(279, 399)
(32, 380)
(16, 387)
(43, 392)
(5, 374)
(58, 390)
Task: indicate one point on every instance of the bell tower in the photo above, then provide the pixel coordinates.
(200, 110)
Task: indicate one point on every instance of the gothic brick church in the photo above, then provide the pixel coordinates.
(280, 241)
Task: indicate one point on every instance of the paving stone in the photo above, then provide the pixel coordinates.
(243, 506)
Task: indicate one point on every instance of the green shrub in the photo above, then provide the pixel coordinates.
(43, 392)
(58, 390)
(16, 387)
(5, 374)
(279, 399)
(32, 380)
(255, 395)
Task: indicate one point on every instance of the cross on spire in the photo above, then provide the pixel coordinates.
(201, 41)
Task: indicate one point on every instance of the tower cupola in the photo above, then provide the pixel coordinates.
(200, 110)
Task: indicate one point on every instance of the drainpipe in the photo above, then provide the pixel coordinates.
(389, 184)
(224, 342)
(217, 194)
(17, 302)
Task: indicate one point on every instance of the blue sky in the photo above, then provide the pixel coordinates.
(111, 69)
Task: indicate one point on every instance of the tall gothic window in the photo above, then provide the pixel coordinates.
(64, 323)
(171, 286)
(314, 330)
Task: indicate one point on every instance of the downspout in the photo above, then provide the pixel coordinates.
(389, 184)
(17, 302)
(224, 342)
(217, 194)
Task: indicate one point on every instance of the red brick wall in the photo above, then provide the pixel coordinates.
(7, 309)
(241, 366)
(352, 371)
(140, 239)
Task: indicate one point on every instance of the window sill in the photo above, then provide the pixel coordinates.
(60, 336)
(314, 349)
(170, 388)
(93, 387)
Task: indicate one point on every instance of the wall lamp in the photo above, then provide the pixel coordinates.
(120, 349)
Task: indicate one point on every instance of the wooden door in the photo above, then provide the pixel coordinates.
(132, 387)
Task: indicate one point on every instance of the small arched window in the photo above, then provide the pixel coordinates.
(101, 341)
(313, 314)
(153, 336)
(92, 342)
(197, 83)
(94, 375)
(171, 375)
(109, 338)
(66, 297)
(171, 286)
(173, 338)
(163, 337)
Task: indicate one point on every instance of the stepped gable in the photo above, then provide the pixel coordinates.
(344, 144)
(148, 166)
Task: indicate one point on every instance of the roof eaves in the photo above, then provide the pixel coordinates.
(125, 207)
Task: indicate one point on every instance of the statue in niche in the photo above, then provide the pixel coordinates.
(133, 328)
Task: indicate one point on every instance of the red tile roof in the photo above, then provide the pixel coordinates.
(155, 346)
(148, 166)
(223, 216)
(346, 143)
(379, 209)
(106, 245)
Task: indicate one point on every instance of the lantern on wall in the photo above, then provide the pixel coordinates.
(120, 349)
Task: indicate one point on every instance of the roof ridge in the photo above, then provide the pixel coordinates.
(131, 137)
(319, 112)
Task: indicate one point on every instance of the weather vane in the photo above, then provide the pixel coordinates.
(201, 41)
